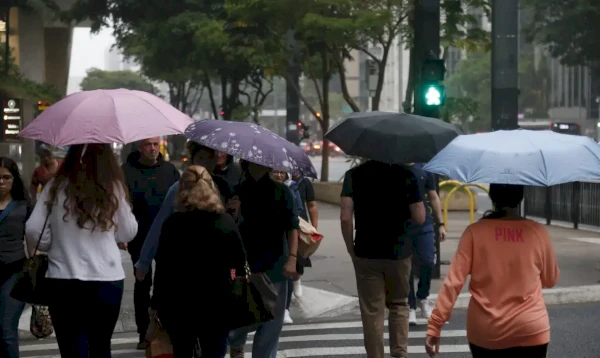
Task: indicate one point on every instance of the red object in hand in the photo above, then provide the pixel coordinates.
(316, 237)
(232, 272)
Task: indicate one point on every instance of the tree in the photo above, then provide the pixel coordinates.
(567, 28)
(316, 40)
(189, 45)
(99, 79)
(377, 26)
(469, 90)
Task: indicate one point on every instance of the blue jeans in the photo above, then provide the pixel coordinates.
(10, 313)
(422, 267)
(266, 339)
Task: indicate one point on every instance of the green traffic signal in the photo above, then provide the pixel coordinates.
(434, 95)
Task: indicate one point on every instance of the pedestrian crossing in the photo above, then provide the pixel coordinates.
(325, 339)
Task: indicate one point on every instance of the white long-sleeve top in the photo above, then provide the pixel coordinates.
(76, 253)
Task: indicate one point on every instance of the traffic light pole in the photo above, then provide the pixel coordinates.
(427, 46)
(505, 64)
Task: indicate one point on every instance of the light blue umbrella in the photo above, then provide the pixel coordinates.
(538, 158)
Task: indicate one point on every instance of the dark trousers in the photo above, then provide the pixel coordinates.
(141, 299)
(300, 265)
(10, 312)
(529, 352)
(184, 334)
(84, 315)
(422, 267)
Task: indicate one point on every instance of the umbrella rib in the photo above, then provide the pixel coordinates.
(112, 100)
(543, 159)
(71, 113)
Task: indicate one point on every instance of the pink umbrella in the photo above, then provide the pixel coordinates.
(106, 116)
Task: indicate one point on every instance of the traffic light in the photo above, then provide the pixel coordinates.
(432, 91)
(222, 113)
(303, 130)
(434, 95)
(43, 105)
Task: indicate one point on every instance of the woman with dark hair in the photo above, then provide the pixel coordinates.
(208, 259)
(88, 213)
(15, 208)
(510, 259)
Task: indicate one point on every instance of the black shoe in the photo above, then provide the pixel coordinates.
(142, 344)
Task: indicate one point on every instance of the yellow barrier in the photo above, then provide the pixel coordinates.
(459, 186)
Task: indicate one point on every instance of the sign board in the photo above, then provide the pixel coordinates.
(12, 119)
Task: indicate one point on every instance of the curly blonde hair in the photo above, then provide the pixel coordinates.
(198, 191)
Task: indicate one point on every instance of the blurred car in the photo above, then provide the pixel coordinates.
(316, 148)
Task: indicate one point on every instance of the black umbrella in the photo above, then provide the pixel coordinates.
(392, 138)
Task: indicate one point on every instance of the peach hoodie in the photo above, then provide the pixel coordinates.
(509, 262)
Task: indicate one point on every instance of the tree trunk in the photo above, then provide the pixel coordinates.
(380, 79)
(339, 61)
(211, 95)
(326, 63)
(410, 83)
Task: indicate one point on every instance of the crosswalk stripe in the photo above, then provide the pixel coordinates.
(348, 351)
(301, 338)
(349, 332)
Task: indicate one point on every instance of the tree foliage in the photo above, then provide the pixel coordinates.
(14, 84)
(99, 79)
(469, 100)
(189, 45)
(568, 28)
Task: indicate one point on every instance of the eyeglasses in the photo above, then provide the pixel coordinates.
(6, 178)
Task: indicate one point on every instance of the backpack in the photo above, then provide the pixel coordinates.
(298, 203)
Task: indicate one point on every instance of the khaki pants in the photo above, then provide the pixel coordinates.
(381, 284)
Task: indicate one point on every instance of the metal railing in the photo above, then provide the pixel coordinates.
(460, 186)
(577, 203)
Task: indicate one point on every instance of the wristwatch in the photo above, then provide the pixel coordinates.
(438, 225)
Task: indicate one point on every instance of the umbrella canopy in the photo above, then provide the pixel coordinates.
(253, 143)
(521, 157)
(392, 138)
(106, 116)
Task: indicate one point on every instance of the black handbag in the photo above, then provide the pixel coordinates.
(31, 286)
(255, 298)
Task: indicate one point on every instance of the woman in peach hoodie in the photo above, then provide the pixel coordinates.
(510, 259)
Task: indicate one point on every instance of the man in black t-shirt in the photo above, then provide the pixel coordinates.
(307, 193)
(383, 200)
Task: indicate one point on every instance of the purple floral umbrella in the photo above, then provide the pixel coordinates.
(253, 143)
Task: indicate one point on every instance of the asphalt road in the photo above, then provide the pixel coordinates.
(574, 334)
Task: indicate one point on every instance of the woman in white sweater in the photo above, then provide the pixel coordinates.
(89, 219)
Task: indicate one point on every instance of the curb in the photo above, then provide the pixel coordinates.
(339, 304)
(552, 296)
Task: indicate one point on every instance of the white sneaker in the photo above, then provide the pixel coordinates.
(412, 318)
(425, 309)
(297, 289)
(287, 319)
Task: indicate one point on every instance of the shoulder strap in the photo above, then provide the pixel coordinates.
(37, 246)
(7, 210)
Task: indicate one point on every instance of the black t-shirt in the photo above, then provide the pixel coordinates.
(307, 194)
(382, 194)
(268, 213)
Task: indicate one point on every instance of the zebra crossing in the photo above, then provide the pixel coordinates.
(324, 339)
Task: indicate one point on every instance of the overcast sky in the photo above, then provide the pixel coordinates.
(88, 50)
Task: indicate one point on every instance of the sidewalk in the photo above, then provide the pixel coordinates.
(578, 254)
(330, 285)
